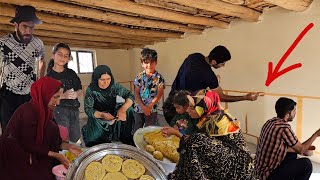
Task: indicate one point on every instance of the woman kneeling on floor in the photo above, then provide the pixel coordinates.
(107, 120)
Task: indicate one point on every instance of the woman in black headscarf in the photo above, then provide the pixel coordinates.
(107, 120)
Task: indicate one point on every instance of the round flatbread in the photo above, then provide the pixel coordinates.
(95, 171)
(115, 176)
(112, 163)
(146, 177)
(132, 169)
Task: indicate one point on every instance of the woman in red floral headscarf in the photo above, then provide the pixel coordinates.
(219, 151)
(30, 144)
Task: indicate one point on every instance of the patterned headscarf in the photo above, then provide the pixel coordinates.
(41, 92)
(207, 102)
(213, 118)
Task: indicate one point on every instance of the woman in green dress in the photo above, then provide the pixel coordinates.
(107, 120)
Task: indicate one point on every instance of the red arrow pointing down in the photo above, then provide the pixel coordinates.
(272, 75)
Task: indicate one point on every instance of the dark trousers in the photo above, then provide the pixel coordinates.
(141, 119)
(292, 168)
(9, 102)
(68, 118)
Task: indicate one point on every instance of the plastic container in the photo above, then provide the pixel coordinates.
(60, 172)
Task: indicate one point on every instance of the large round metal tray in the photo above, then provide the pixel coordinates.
(139, 141)
(96, 153)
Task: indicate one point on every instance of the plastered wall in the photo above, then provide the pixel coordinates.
(252, 46)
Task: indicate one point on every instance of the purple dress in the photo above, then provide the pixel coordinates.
(20, 156)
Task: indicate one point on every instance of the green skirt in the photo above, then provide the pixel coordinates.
(97, 131)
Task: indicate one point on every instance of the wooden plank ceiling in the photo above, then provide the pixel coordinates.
(125, 24)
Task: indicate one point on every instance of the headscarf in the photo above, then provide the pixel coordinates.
(207, 102)
(96, 75)
(41, 93)
(214, 119)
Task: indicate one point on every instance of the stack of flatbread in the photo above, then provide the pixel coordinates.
(113, 167)
(167, 146)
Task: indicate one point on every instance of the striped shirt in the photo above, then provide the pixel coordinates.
(275, 138)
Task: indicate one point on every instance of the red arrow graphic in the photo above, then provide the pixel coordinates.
(272, 75)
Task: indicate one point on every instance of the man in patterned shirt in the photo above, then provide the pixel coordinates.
(20, 52)
(278, 147)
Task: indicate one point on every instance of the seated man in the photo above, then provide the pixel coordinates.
(278, 147)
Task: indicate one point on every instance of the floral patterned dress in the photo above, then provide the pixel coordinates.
(223, 157)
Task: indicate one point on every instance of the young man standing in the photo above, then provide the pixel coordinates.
(20, 52)
(278, 147)
(196, 73)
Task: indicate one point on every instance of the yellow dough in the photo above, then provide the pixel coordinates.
(158, 155)
(132, 169)
(70, 156)
(175, 157)
(167, 148)
(166, 145)
(115, 176)
(150, 148)
(112, 163)
(95, 171)
(146, 177)
(154, 136)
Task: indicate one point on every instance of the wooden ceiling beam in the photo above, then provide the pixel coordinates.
(177, 7)
(148, 11)
(77, 36)
(83, 44)
(7, 10)
(92, 44)
(75, 10)
(294, 5)
(222, 8)
(237, 2)
(168, 5)
(84, 31)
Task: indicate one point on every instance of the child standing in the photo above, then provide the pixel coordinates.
(148, 90)
(66, 113)
(182, 121)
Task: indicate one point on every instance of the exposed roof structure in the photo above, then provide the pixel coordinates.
(124, 24)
